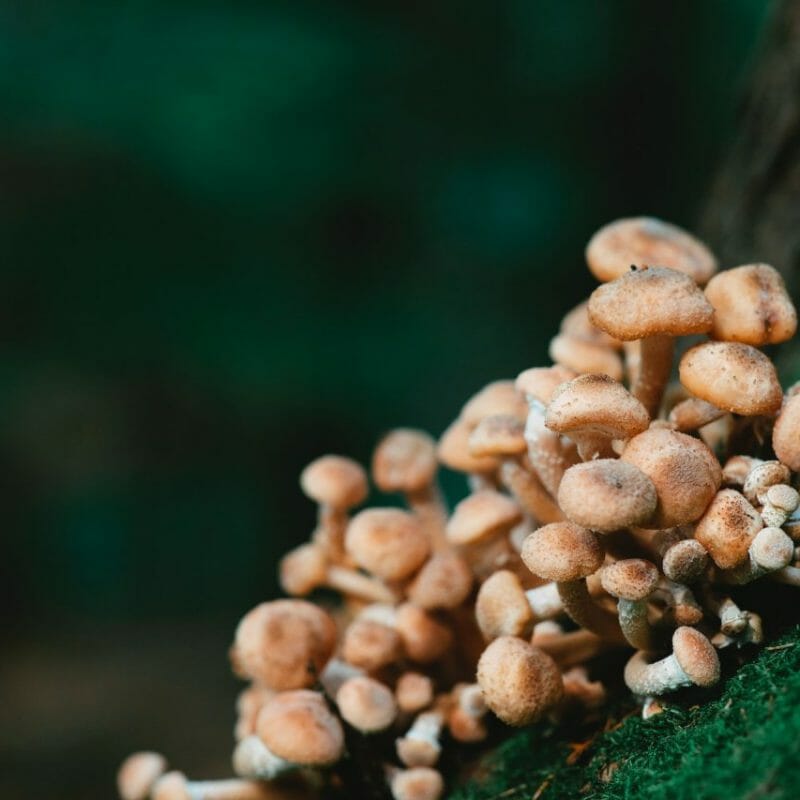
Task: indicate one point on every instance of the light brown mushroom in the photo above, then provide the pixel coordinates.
(692, 414)
(466, 717)
(413, 692)
(786, 433)
(576, 324)
(420, 745)
(444, 581)
(728, 527)
(632, 581)
(370, 644)
(453, 451)
(248, 705)
(498, 397)
(366, 704)
(685, 561)
(780, 502)
(138, 774)
(415, 783)
(761, 477)
(770, 550)
(584, 357)
(425, 639)
(566, 648)
(175, 786)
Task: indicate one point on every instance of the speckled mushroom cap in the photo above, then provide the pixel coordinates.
(299, 727)
(696, 656)
(684, 471)
(727, 528)
(453, 451)
(772, 549)
(335, 481)
(498, 397)
(481, 516)
(562, 551)
(498, 435)
(284, 644)
(786, 433)
(751, 305)
(647, 241)
(652, 301)
(583, 356)
(404, 461)
(501, 608)
(685, 561)
(138, 773)
(387, 542)
(630, 578)
(732, 376)
(541, 382)
(370, 644)
(520, 682)
(577, 325)
(607, 494)
(444, 581)
(366, 704)
(761, 477)
(417, 783)
(596, 404)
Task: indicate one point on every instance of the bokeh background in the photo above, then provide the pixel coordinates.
(238, 235)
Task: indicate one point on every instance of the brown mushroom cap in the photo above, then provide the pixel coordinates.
(335, 481)
(414, 691)
(497, 436)
(299, 727)
(630, 578)
(417, 783)
(562, 551)
(138, 773)
(284, 644)
(453, 451)
(501, 608)
(772, 549)
(498, 397)
(685, 561)
(751, 305)
(303, 569)
(786, 433)
(366, 704)
(541, 382)
(481, 516)
(520, 682)
(387, 542)
(582, 356)
(444, 581)
(647, 241)
(684, 471)
(696, 656)
(728, 528)
(577, 325)
(761, 477)
(425, 639)
(606, 495)
(596, 404)
(404, 461)
(369, 644)
(653, 301)
(732, 376)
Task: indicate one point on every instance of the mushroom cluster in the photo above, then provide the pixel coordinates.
(609, 508)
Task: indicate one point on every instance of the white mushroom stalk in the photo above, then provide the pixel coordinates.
(175, 786)
(770, 551)
(253, 759)
(421, 746)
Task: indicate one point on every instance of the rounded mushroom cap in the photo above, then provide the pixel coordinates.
(425, 639)
(761, 477)
(444, 581)
(299, 727)
(284, 644)
(562, 551)
(728, 528)
(453, 451)
(684, 471)
(647, 241)
(387, 542)
(751, 305)
(335, 481)
(404, 461)
(138, 773)
(577, 325)
(652, 301)
(172, 786)
(498, 435)
(498, 397)
(606, 495)
(735, 377)
(696, 656)
(783, 497)
(582, 356)
(414, 691)
(501, 608)
(786, 433)
(685, 561)
(482, 515)
(370, 644)
(303, 569)
(630, 578)
(596, 404)
(417, 783)
(772, 549)
(366, 704)
(541, 382)
(520, 682)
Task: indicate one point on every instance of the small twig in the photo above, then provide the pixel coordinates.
(542, 786)
(781, 646)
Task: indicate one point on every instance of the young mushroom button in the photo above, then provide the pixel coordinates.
(728, 528)
(138, 774)
(444, 581)
(632, 581)
(366, 704)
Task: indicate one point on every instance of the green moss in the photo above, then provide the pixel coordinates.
(745, 743)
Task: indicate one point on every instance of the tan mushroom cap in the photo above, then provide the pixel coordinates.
(728, 528)
(425, 638)
(284, 644)
(759, 479)
(366, 704)
(417, 783)
(684, 471)
(404, 461)
(596, 404)
(696, 656)
(453, 451)
(652, 301)
(387, 542)
(498, 397)
(606, 495)
(444, 581)
(576, 324)
(481, 516)
(772, 549)
(630, 578)
(501, 608)
(685, 561)
(541, 382)
(138, 773)
(497, 436)
(647, 241)
(335, 481)
(520, 682)
(371, 645)
(582, 356)
(562, 551)
(299, 727)
(751, 305)
(732, 376)
(303, 569)
(414, 691)
(786, 433)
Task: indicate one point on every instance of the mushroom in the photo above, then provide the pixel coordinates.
(682, 606)
(692, 414)
(685, 561)
(453, 451)
(366, 704)
(761, 477)
(577, 325)
(583, 356)
(284, 644)
(336, 673)
(652, 305)
(786, 433)
(770, 550)
(580, 691)
(465, 720)
(420, 746)
(736, 470)
(175, 786)
(248, 705)
(593, 410)
(520, 682)
(566, 649)
(632, 581)
(138, 774)
(728, 528)
(413, 692)
(780, 502)
(444, 581)
(370, 644)
(607, 494)
(647, 240)
(498, 397)
(336, 484)
(693, 661)
(416, 783)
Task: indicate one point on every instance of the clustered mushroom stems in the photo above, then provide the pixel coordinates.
(599, 495)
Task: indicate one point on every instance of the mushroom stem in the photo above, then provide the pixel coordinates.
(529, 492)
(654, 371)
(546, 453)
(336, 673)
(420, 746)
(253, 759)
(174, 784)
(732, 620)
(354, 584)
(330, 531)
(585, 612)
(634, 623)
(568, 649)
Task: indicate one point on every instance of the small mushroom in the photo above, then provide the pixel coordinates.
(413, 692)
(761, 477)
(566, 648)
(416, 783)
(692, 414)
(780, 502)
(786, 433)
(420, 746)
(175, 786)
(498, 397)
(728, 528)
(770, 550)
(248, 705)
(581, 692)
(138, 774)
(583, 356)
(453, 451)
(576, 324)
(425, 639)
(685, 561)
(736, 470)
(370, 644)
(632, 581)
(444, 581)
(366, 704)
(465, 720)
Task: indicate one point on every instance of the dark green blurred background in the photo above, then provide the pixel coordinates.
(238, 235)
